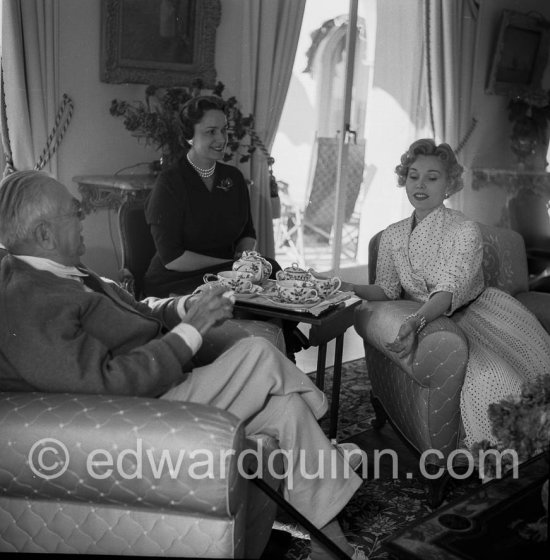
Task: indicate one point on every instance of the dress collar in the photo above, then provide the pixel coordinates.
(432, 216)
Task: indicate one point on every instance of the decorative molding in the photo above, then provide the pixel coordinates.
(100, 192)
(512, 181)
(119, 66)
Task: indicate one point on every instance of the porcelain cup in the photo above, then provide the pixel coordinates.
(239, 282)
(326, 286)
(296, 291)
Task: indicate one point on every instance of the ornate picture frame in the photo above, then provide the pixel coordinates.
(159, 42)
(521, 54)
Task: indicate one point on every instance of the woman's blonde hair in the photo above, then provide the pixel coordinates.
(427, 147)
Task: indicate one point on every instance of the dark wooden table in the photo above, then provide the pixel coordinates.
(331, 324)
(491, 522)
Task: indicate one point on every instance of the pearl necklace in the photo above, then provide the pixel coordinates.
(204, 173)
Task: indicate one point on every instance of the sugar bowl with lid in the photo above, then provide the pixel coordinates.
(293, 272)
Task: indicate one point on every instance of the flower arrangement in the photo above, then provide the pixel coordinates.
(521, 423)
(530, 114)
(156, 121)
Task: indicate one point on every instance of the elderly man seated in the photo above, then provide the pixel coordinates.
(64, 329)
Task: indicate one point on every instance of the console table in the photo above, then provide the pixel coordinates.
(512, 182)
(110, 191)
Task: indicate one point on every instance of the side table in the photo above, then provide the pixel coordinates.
(111, 191)
(332, 324)
(491, 522)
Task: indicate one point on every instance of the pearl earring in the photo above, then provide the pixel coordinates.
(190, 142)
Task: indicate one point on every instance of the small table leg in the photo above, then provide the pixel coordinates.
(336, 382)
(321, 361)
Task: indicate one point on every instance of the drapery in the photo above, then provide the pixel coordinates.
(396, 113)
(30, 44)
(450, 31)
(269, 42)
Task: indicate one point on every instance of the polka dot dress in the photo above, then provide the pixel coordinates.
(507, 345)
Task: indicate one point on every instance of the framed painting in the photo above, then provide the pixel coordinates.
(521, 54)
(159, 42)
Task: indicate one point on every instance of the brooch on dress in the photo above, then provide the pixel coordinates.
(225, 185)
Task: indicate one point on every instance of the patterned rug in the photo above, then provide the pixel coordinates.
(380, 507)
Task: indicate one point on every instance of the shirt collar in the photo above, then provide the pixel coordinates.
(2, 246)
(40, 263)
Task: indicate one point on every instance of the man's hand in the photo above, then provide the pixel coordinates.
(209, 308)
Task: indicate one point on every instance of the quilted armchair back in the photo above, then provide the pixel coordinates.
(138, 247)
(504, 259)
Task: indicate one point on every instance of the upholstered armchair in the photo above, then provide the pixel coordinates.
(126, 499)
(422, 399)
(138, 247)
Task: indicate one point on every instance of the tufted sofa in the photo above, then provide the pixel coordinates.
(116, 495)
(422, 399)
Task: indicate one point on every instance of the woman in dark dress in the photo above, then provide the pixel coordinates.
(199, 210)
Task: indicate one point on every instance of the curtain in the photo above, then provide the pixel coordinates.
(450, 31)
(30, 42)
(397, 113)
(269, 42)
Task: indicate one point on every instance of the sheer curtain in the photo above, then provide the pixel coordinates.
(397, 112)
(450, 49)
(30, 41)
(271, 32)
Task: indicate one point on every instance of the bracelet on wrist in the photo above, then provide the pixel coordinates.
(420, 321)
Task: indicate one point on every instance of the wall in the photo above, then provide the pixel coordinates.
(489, 146)
(96, 143)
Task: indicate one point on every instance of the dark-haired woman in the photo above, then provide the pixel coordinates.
(434, 257)
(199, 211)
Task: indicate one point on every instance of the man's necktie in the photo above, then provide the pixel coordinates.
(91, 282)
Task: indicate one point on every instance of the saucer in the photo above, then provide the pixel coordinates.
(291, 305)
(255, 291)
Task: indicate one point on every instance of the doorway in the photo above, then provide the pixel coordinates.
(334, 156)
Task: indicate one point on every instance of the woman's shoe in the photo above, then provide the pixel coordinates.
(295, 340)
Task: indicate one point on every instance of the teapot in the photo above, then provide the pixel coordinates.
(293, 272)
(252, 261)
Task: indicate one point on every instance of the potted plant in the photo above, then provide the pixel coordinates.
(521, 423)
(155, 121)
